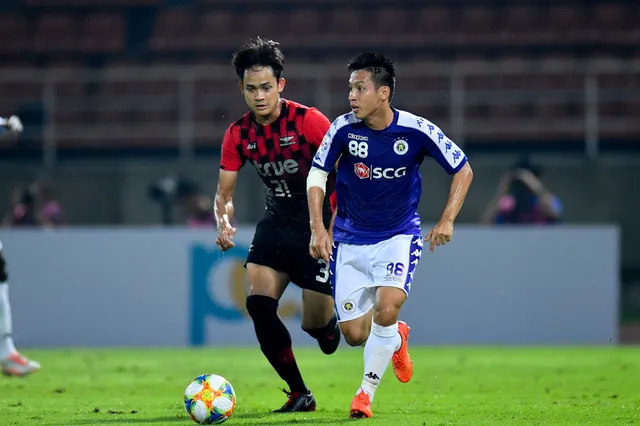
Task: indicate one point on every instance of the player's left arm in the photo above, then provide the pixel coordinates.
(442, 233)
(454, 161)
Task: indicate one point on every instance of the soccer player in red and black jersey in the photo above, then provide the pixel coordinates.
(279, 138)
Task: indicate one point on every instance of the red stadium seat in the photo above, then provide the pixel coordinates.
(478, 24)
(93, 2)
(13, 33)
(263, 23)
(174, 30)
(55, 32)
(391, 21)
(103, 32)
(434, 22)
(520, 24)
(304, 25)
(565, 24)
(217, 28)
(613, 23)
(347, 24)
(611, 17)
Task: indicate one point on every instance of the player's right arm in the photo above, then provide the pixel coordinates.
(11, 125)
(323, 163)
(230, 163)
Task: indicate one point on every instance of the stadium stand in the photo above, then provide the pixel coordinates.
(105, 35)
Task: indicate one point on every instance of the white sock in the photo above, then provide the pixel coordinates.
(6, 341)
(382, 343)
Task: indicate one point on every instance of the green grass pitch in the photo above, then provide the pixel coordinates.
(450, 386)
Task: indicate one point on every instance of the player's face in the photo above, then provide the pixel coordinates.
(261, 91)
(364, 98)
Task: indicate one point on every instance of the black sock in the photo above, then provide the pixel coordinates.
(328, 332)
(275, 340)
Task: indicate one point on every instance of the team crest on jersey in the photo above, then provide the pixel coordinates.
(348, 306)
(401, 147)
(361, 170)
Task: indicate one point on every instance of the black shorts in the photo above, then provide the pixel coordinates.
(285, 248)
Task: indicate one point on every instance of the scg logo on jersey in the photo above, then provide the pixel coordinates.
(390, 173)
(276, 168)
(365, 172)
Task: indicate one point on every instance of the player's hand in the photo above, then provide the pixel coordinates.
(14, 124)
(440, 235)
(225, 237)
(320, 245)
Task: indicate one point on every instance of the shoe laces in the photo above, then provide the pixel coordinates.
(291, 395)
(18, 359)
(364, 397)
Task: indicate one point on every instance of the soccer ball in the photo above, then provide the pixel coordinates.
(210, 399)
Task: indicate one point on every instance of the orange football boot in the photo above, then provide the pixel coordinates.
(361, 406)
(401, 361)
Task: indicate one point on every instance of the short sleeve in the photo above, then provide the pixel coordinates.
(231, 160)
(442, 149)
(330, 149)
(315, 126)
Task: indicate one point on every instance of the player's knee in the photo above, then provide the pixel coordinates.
(355, 338)
(4, 276)
(263, 281)
(386, 314)
(260, 307)
(258, 287)
(354, 334)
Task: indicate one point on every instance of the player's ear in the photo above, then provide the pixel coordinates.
(281, 84)
(385, 91)
(241, 86)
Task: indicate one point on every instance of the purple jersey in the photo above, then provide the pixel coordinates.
(379, 182)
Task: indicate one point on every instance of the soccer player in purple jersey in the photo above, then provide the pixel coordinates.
(12, 362)
(376, 235)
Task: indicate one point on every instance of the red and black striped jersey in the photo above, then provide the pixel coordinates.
(282, 152)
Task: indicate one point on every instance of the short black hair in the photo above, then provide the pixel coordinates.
(259, 52)
(382, 69)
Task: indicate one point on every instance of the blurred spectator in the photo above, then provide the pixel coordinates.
(50, 209)
(196, 206)
(23, 209)
(522, 198)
